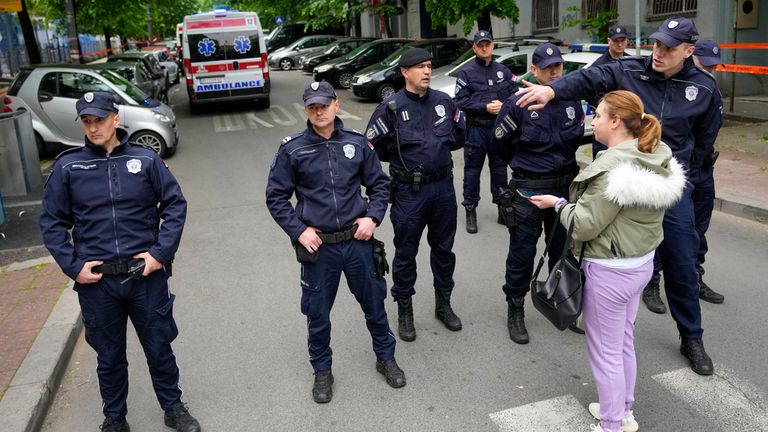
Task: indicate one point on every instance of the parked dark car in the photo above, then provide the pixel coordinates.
(139, 75)
(149, 60)
(384, 79)
(287, 34)
(337, 49)
(339, 71)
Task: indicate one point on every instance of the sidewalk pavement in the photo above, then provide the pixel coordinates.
(34, 290)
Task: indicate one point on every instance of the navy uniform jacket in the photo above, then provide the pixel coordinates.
(542, 141)
(113, 204)
(688, 104)
(605, 59)
(478, 84)
(429, 128)
(326, 176)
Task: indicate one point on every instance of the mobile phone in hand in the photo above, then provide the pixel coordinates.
(525, 193)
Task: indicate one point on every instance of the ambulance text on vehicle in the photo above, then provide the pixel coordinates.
(225, 58)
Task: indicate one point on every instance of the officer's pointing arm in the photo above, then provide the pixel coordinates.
(577, 85)
(55, 222)
(280, 187)
(173, 212)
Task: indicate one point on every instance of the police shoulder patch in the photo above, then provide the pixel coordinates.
(65, 152)
(291, 137)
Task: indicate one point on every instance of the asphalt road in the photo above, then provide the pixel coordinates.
(242, 342)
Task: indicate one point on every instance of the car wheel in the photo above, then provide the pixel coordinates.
(263, 103)
(170, 151)
(344, 80)
(163, 97)
(41, 150)
(194, 108)
(286, 64)
(150, 139)
(384, 91)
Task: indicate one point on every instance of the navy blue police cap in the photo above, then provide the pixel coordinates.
(483, 35)
(99, 104)
(617, 31)
(708, 52)
(545, 55)
(414, 56)
(674, 31)
(319, 93)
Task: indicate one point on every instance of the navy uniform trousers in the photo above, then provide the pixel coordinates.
(106, 305)
(524, 236)
(319, 285)
(476, 148)
(703, 196)
(433, 206)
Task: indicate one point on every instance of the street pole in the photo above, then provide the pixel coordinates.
(637, 27)
(74, 42)
(733, 61)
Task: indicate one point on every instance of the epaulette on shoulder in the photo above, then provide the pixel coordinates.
(290, 137)
(631, 57)
(345, 129)
(67, 151)
(135, 144)
(707, 74)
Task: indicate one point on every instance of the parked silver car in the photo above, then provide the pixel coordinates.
(288, 57)
(137, 74)
(50, 92)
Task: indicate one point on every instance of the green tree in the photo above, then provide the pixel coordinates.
(597, 26)
(472, 11)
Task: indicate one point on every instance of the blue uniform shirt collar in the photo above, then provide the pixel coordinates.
(415, 96)
(482, 63)
(687, 65)
(314, 137)
(122, 136)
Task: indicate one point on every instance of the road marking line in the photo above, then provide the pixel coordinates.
(252, 119)
(290, 120)
(725, 399)
(227, 123)
(563, 414)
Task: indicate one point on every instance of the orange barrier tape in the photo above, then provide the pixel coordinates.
(760, 70)
(95, 53)
(745, 45)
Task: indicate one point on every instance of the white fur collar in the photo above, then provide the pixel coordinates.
(632, 185)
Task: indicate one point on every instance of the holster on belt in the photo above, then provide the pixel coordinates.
(709, 161)
(506, 199)
(303, 255)
(380, 258)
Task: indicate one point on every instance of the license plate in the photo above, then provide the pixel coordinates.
(211, 80)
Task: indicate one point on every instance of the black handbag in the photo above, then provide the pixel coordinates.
(559, 297)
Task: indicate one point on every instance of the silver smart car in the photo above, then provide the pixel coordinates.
(50, 92)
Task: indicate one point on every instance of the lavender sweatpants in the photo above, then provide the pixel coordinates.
(611, 299)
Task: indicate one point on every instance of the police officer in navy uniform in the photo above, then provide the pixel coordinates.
(617, 44)
(112, 195)
(332, 228)
(481, 87)
(541, 148)
(686, 100)
(415, 130)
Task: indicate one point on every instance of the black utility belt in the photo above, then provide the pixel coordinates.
(338, 236)
(123, 267)
(543, 182)
(418, 176)
(481, 122)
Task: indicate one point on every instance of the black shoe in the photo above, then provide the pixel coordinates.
(444, 312)
(180, 418)
(110, 425)
(652, 296)
(471, 219)
(405, 328)
(706, 293)
(392, 372)
(693, 350)
(322, 391)
(516, 321)
(576, 329)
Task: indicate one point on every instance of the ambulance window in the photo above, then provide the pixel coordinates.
(206, 47)
(241, 45)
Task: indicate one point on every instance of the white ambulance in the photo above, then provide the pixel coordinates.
(225, 58)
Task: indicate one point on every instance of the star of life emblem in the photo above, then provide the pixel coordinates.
(315, 85)
(206, 47)
(570, 112)
(88, 97)
(349, 151)
(691, 92)
(133, 165)
(440, 110)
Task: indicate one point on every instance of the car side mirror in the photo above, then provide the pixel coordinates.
(163, 67)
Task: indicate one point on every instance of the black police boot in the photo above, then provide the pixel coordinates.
(405, 320)
(471, 219)
(444, 312)
(500, 219)
(693, 350)
(516, 321)
(180, 418)
(110, 425)
(322, 391)
(652, 296)
(705, 292)
(394, 375)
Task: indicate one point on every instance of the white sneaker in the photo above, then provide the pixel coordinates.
(628, 423)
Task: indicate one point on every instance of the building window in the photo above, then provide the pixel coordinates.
(661, 9)
(590, 8)
(545, 15)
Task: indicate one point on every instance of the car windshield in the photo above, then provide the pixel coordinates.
(131, 90)
(332, 47)
(570, 66)
(395, 56)
(455, 71)
(357, 51)
(462, 58)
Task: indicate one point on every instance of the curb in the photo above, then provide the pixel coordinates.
(25, 404)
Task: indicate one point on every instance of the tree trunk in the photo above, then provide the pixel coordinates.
(605, 6)
(29, 35)
(74, 41)
(484, 22)
(108, 39)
